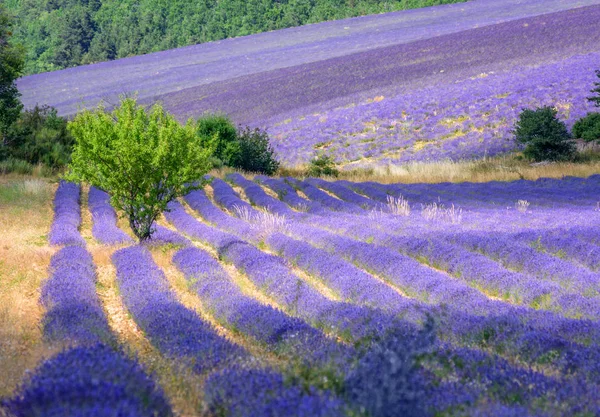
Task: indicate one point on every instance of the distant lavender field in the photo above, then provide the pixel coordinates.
(426, 84)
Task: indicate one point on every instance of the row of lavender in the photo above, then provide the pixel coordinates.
(92, 376)
(508, 330)
(75, 317)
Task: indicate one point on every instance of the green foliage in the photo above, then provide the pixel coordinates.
(218, 132)
(11, 66)
(596, 98)
(588, 127)
(246, 149)
(322, 165)
(39, 136)
(66, 33)
(143, 158)
(15, 166)
(255, 152)
(545, 137)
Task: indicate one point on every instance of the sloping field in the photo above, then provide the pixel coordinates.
(250, 305)
(423, 84)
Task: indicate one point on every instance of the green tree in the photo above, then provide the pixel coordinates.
(596, 99)
(218, 132)
(588, 127)
(322, 165)
(75, 31)
(143, 158)
(12, 62)
(40, 136)
(545, 137)
(255, 152)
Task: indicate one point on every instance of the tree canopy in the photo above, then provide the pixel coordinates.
(143, 158)
(11, 66)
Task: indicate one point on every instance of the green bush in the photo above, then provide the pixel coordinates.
(218, 132)
(15, 166)
(322, 165)
(255, 152)
(40, 136)
(143, 158)
(588, 127)
(545, 137)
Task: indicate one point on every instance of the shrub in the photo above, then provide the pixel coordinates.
(218, 132)
(40, 136)
(143, 159)
(544, 136)
(588, 127)
(255, 152)
(16, 166)
(322, 165)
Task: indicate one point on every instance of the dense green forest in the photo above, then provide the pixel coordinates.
(65, 33)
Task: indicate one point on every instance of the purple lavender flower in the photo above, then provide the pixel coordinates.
(67, 216)
(104, 218)
(258, 197)
(353, 284)
(89, 381)
(323, 198)
(288, 195)
(175, 330)
(74, 312)
(166, 236)
(282, 333)
(251, 392)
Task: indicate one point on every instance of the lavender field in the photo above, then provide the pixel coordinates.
(427, 84)
(286, 297)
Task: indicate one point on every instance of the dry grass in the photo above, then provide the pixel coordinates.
(507, 168)
(25, 218)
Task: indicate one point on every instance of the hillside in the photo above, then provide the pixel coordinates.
(425, 84)
(66, 33)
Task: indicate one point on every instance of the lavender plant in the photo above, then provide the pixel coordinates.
(104, 218)
(67, 216)
(74, 313)
(175, 330)
(89, 381)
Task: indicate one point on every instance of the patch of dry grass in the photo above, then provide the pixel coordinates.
(25, 218)
(505, 168)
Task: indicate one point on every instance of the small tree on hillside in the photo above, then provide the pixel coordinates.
(255, 152)
(588, 127)
(545, 137)
(143, 158)
(218, 131)
(596, 99)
